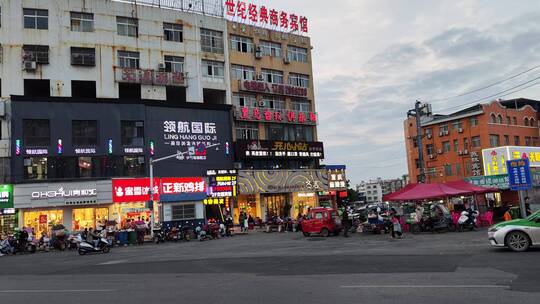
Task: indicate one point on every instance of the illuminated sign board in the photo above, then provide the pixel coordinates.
(36, 151)
(494, 159)
(273, 88)
(64, 193)
(85, 150)
(6, 196)
(222, 183)
(279, 149)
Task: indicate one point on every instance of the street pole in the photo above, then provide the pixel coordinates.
(417, 113)
(151, 191)
(522, 204)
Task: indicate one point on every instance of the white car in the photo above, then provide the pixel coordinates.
(518, 235)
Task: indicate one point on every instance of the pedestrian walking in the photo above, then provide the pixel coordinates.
(396, 227)
(346, 222)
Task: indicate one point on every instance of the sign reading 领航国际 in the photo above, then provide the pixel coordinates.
(265, 17)
(192, 138)
(6, 196)
(519, 174)
(494, 159)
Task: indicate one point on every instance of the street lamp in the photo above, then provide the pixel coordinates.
(151, 191)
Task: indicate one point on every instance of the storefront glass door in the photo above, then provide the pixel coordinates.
(277, 204)
(89, 218)
(42, 221)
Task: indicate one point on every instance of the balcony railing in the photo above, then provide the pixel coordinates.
(150, 77)
(262, 114)
(203, 7)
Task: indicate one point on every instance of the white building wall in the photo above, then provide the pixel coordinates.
(107, 42)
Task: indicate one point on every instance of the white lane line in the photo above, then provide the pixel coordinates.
(113, 262)
(54, 290)
(426, 286)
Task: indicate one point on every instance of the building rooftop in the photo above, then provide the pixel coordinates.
(204, 7)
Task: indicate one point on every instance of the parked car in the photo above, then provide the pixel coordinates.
(323, 221)
(518, 235)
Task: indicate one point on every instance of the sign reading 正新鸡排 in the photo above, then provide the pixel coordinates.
(265, 17)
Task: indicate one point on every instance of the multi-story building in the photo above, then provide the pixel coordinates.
(91, 90)
(452, 143)
(275, 119)
(373, 191)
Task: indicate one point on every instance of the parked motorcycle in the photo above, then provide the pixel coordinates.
(159, 235)
(102, 246)
(467, 220)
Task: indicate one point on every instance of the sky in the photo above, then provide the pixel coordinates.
(372, 59)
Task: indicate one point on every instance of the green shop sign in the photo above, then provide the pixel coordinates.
(500, 181)
(6, 196)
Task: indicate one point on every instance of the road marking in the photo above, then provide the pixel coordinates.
(113, 262)
(54, 290)
(426, 286)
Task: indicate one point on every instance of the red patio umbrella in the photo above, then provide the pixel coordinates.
(426, 191)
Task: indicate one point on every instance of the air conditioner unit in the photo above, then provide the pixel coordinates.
(460, 152)
(431, 156)
(439, 151)
(262, 103)
(30, 65)
(429, 136)
(445, 132)
(286, 60)
(258, 52)
(161, 66)
(260, 77)
(465, 151)
(441, 133)
(460, 130)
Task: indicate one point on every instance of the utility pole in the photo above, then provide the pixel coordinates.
(151, 191)
(417, 112)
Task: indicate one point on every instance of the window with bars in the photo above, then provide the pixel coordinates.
(174, 63)
(247, 130)
(173, 32)
(82, 22)
(183, 212)
(211, 41)
(241, 44)
(295, 53)
(213, 69)
(36, 18)
(127, 26)
(83, 56)
(128, 59)
(244, 100)
(270, 49)
(274, 102)
(272, 76)
(243, 72)
(299, 80)
(37, 53)
(301, 106)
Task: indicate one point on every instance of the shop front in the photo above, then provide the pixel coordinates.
(267, 193)
(7, 212)
(175, 199)
(75, 205)
(221, 192)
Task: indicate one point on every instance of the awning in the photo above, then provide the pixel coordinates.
(415, 192)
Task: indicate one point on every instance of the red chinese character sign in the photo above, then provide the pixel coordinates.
(248, 12)
(272, 115)
(138, 189)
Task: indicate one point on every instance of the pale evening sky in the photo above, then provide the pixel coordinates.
(373, 58)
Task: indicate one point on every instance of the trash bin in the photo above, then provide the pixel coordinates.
(132, 237)
(123, 238)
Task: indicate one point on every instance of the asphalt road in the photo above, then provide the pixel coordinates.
(281, 268)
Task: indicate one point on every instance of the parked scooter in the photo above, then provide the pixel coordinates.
(102, 246)
(6, 247)
(159, 235)
(467, 220)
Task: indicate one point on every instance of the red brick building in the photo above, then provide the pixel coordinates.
(452, 144)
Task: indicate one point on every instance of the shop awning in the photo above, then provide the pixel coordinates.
(473, 189)
(415, 192)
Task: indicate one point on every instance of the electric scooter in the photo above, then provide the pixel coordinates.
(102, 246)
